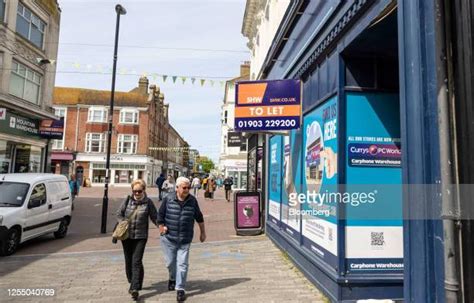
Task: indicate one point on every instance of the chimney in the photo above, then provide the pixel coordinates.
(245, 68)
(143, 85)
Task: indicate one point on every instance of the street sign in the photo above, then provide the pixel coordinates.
(268, 105)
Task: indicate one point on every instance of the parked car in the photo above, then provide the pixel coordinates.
(32, 205)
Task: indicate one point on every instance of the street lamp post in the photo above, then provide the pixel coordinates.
(120, 10)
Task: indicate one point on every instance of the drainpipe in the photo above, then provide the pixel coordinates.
(447, 140)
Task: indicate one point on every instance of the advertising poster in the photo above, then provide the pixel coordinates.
(374, 230)
(248, 210)
(290, 214)
(275, 179)
(318, 205)
(267, 105)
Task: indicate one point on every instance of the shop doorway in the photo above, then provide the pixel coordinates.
(27, 159)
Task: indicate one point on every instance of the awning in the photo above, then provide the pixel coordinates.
(62, 156)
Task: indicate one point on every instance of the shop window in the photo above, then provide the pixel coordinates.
(123, 176)
(25, 83)
(5, 156)
(30, 26)
(95, 142)
(98, 176)
(27, 159)
(129, 116)
(127, 144)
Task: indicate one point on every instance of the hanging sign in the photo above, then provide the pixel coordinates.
(268, 105)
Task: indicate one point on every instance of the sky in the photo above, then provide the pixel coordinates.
(184, 38)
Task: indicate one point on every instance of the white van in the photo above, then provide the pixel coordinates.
(32, 205)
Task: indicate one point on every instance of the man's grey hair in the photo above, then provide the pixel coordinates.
(182, 180)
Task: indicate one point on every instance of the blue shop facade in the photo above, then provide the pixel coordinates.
(335, 190)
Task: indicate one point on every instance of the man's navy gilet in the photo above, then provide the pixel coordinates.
(179, 219)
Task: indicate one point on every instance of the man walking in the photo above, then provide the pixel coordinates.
(228, 182)
(176, 223)
(159, 182)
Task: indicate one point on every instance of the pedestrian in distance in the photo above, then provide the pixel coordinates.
(196, 185)
(168, 186)
(138, 209)
(228, 182)
(176, 218)
(159, 183)
(73, 187)
(211, 188)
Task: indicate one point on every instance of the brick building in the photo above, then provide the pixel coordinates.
(140, 121)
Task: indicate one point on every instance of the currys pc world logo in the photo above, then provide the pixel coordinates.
(374, 155)
(383, 150)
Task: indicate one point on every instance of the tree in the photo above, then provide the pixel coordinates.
(206, 163)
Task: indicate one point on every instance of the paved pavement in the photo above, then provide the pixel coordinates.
(87, 267)
(252, 270)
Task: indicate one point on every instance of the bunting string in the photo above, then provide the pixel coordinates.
(101, 69)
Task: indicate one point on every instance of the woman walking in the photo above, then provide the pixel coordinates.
(137, 208)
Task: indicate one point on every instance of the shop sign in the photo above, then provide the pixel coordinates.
(18, 125)
(268, 105)
(234, 139)
(52, 129)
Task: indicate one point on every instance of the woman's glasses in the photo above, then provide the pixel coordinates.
(138, 191)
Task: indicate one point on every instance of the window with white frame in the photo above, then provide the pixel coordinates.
(129, 116)
(95, 142)
(127, 144)
(61, 113)
(97, 114)
(25, 83)
(30, 25)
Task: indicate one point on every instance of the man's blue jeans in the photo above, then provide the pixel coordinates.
(177, 261)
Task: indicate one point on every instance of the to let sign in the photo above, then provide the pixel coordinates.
(268, 105)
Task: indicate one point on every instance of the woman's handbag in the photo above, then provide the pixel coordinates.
(121, 229)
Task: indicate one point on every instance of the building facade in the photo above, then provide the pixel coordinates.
(233, 153)
(377, 77)
(261, 21)
(140, 122)
(29, 31)
(178, 154)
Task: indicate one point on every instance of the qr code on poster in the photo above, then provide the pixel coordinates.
(377, 239)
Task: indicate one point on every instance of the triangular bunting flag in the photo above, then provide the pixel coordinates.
(193, 80)
(202, 81)
(164, 78)
(222, 83)
(183, 79)
(212, 82)
(174, 78)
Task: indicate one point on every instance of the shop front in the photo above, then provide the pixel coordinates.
(124, 169)
(22, 149)
(237, 169)
(334, 197)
